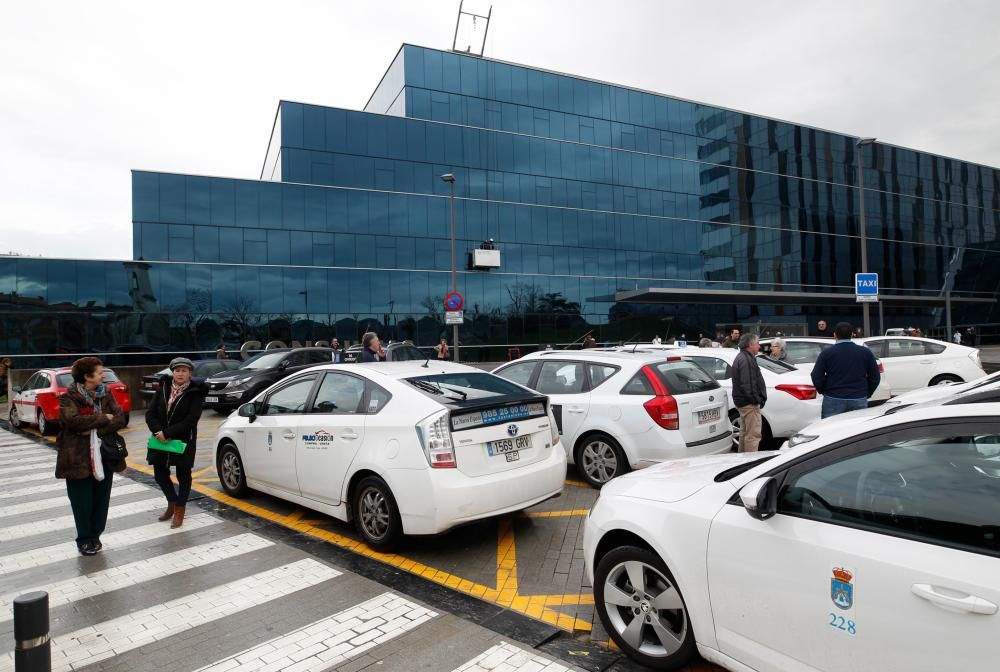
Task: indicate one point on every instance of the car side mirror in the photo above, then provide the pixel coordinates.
(248, 410)
(760, 497)
(15, 389)
(284, 364)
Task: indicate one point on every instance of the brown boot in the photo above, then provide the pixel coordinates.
(169, 513)
(178, 516)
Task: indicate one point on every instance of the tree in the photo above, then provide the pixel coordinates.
(555, 302)
(242, 316)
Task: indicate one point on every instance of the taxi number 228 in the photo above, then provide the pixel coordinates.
(841, 623)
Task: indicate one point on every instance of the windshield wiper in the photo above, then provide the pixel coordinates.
(436, 388)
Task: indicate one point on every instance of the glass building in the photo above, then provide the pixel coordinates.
(617, 211)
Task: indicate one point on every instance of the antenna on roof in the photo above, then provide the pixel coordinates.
(473, 28)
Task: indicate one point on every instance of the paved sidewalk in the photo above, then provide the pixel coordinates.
(214, 595)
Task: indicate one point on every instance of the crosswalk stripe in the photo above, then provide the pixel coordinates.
(134, 573)
(29, 459)
(56, 484)
(58, 502)
(27, 478)
(332, 640)
(510, 658)
(20, 445)
(105, 640)
(21, 453)
(45, 465)
(112, 541)
(64, 522)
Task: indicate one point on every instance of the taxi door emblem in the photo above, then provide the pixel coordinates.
(841, 588)
(270, 440)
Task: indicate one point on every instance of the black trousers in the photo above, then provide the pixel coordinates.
(180, 495)
(89, 499)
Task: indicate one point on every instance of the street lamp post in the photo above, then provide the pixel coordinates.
(450, 179)
(866, 314)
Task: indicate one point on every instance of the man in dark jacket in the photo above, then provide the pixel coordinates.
(749, 392)
(371, 348)
(173, 414)
(846, 374)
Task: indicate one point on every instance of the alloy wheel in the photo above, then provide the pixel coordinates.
(15, 419)
(374, 513)
(645, 609)
(599, 461)
(231, 470)
(42, 424)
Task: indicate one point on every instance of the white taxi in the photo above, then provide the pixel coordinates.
(398, 448)
(864, 549)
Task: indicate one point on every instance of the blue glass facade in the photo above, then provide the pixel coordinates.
(589, 189)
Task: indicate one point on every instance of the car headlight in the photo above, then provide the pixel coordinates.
(239, 381)
(799, 439)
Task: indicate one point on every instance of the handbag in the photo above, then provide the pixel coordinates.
(173, 446)
(113, 447)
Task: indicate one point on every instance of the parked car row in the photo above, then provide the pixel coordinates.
(37, 401)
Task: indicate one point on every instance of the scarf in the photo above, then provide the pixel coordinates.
(92, 397)
(176, 391)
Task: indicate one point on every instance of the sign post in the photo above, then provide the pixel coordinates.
(866, 288)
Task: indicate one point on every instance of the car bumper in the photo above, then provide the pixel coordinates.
(434, 500)
(660, 450)
(224, 400)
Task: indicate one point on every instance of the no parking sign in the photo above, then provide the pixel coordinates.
(453, 301)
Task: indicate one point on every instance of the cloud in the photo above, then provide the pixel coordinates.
(93, 90)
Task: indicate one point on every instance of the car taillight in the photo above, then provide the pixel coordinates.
(662, 408)
(974, 356)
(802, 392)
(554, 428)
(881, 369)
(435, 438)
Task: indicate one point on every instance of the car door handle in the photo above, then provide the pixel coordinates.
(288, 435)
(575, 409)
(969, 603)
(926, 361)
(349, 436)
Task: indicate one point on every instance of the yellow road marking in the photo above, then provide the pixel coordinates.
(579, 484)
(556, 514)
(202, 471)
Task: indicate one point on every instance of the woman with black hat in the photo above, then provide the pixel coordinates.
(173, 415)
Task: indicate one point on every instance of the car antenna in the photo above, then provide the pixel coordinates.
(427, 363)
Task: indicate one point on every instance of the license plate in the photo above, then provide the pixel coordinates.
(512, 457)
(147, 385)
(508, 446)
(211, 400)
(709, 415)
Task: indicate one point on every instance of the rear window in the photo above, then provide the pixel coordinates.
(684, 377)
(774, 366)
(406, 353)
(465, 386)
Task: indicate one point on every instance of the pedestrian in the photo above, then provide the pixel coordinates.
(5, 364)
(441, 350)
(846, 374)
(732, 340)
(822, 330)
(338, 354)
(749, 393)
(87, 412)
(589, 342)
(657, 340)
(778, 351)
(705, 343)
(173, 415)
(371, 348)
(220, 352)
(957, 337)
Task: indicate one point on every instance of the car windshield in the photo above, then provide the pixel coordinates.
(66, 379)
(462, 386)
(265, 360)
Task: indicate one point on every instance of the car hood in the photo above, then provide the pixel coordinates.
(235, 373)
(675, 480)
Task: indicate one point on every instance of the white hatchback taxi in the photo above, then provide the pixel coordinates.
(617, 411)
(869, 548)
(911, 363)
(399, 448)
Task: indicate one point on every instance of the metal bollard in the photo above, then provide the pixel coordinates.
(32, 647)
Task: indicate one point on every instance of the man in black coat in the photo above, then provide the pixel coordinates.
(173, 414)
(749, 393)
(846, 374)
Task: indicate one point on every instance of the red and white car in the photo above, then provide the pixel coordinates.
(37, 401)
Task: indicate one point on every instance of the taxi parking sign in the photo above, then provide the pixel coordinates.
(866, 287)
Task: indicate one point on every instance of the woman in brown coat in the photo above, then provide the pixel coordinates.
(84, 407)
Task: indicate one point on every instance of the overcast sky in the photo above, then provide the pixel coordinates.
(90, 90)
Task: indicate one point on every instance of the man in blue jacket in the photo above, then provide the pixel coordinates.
(846, 374)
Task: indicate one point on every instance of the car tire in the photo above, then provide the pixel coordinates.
(663, 638)
(599, 458)
(44, 426)
(14, 416)
(945, 379)
(232, 475)
(376, 515)
(128, 418)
